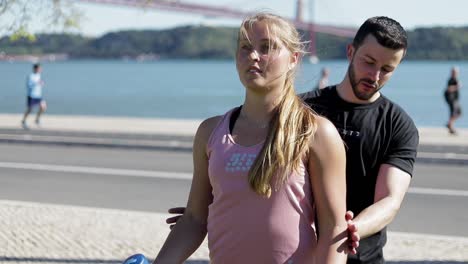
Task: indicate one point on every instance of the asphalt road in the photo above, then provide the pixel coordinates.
(149, 180)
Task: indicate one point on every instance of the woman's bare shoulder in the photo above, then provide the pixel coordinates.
(326, 134)
(207, 126)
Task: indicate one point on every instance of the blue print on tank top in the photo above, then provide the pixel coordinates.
(240, 162)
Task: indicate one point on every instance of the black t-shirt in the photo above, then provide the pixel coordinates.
(374, 134)
(451, 96)
(452, 81)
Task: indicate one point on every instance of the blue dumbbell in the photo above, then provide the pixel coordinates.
(136, 259)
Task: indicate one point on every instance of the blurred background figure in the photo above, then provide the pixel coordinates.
(451, 95)
(323, 82)
(34, 84)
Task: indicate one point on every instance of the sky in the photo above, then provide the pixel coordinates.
(101, 18)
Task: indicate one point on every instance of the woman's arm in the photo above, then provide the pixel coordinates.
(327, 168)
(191, 229)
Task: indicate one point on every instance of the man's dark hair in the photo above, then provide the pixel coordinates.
(36, 66)
(388, 32)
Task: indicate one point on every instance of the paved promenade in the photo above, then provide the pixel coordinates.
(45, 233)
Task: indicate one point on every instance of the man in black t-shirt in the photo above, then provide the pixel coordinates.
(381, 139)
(451, 95)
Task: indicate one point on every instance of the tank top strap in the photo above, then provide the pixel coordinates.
(220, 132)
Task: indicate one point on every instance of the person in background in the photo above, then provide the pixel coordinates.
(451, 96)
(265, 170)
(323, 82)
(381, 139)
(34, 84)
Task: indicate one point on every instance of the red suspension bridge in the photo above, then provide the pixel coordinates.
(225, 12)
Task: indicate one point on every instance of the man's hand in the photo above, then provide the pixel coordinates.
(179, 211)
(353, 235)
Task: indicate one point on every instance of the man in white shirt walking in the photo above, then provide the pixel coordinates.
(34, 86)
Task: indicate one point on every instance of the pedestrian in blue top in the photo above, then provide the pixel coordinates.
(34, 84)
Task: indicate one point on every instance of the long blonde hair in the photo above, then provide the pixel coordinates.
(293, 123)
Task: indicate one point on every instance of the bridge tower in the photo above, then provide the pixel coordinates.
(299, 8)
(300, 18)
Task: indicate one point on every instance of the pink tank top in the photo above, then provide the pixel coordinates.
(245, 227)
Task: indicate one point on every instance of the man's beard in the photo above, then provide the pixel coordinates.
(361, 95)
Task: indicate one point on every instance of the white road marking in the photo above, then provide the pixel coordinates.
(171, 175)
(434, 191)
(95, 170)
(448, 155)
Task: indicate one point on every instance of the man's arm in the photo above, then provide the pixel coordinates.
(391, 187)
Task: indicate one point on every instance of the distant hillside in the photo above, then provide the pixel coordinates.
(182, 42)
(199, 42)
(439, 43)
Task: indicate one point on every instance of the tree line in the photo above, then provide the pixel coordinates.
(203, 42)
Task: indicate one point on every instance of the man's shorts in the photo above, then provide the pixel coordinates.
(455, 109)
(33, 101)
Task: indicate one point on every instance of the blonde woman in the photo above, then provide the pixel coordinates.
(263, 171)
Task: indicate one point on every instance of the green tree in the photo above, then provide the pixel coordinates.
(17, 16)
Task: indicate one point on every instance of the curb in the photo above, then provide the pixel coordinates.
(102, 143)
(98, 139)
(428, 153)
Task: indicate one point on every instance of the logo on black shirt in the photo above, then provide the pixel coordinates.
(349, 133)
